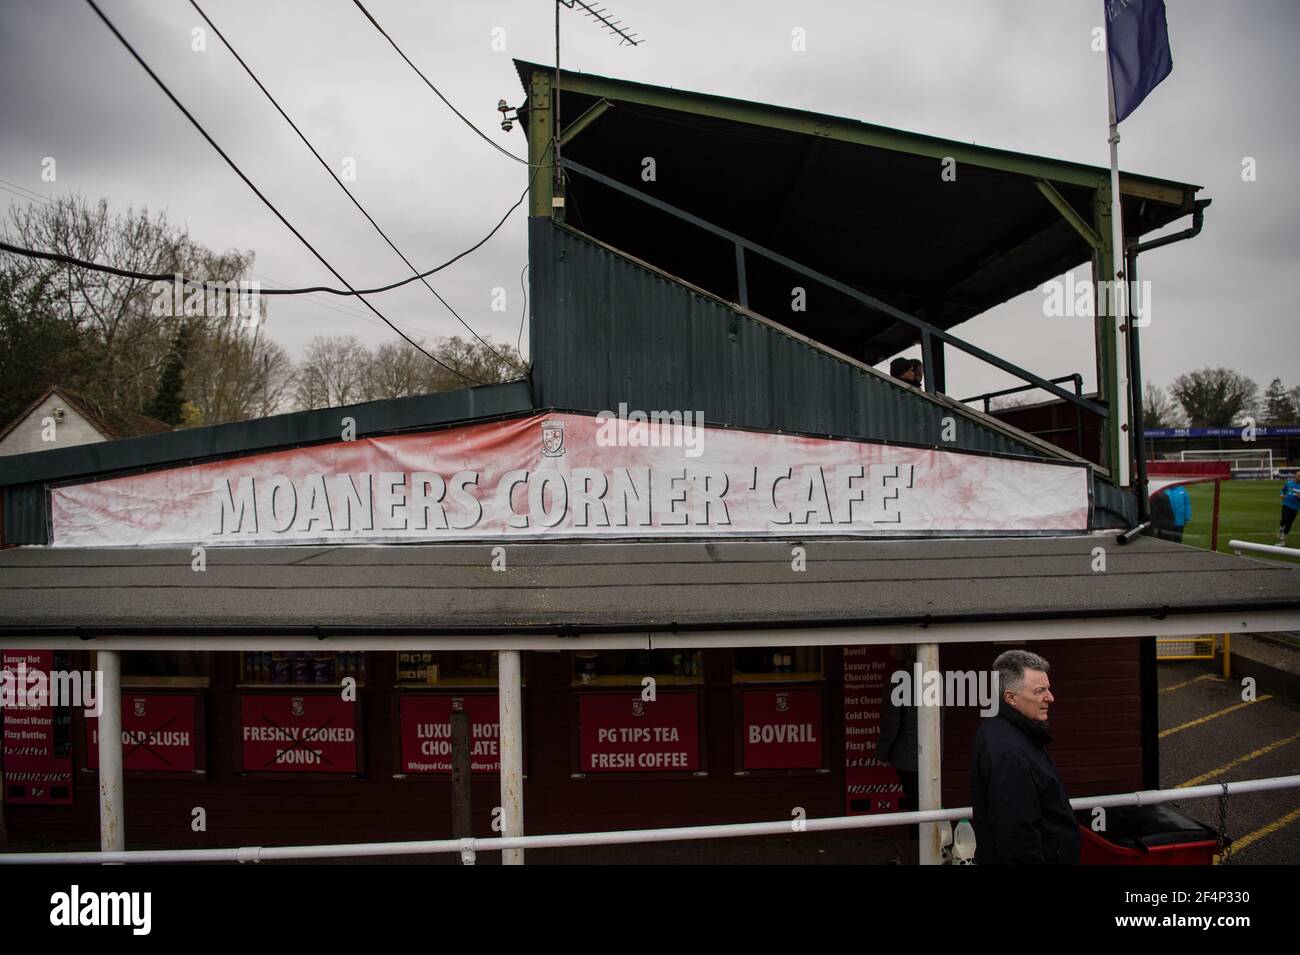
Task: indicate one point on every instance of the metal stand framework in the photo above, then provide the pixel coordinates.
(929, 761)
(468, 848)
(112, 809)
(512, 751)
(931, 335)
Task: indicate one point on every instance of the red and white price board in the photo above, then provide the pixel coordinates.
(159, 733)
(870, 785)
(781, 729)
(426, 732)
(298, 734)
(622, 733)
(37, 736)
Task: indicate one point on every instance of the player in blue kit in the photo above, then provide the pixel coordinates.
(1290, 505)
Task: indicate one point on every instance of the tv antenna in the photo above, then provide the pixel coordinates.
(601, 16)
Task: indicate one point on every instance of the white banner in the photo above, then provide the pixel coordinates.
(566, 475)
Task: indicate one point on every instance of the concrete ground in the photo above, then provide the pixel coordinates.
(1209, 735)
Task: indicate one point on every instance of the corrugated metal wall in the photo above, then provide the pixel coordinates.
(26, 514)
(607, 330)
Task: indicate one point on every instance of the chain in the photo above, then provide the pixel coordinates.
(1225, 847)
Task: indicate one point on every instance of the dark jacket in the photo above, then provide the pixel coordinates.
(1022, 815)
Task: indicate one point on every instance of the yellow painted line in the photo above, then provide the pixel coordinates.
(1197, 780)
(1261, 832)
(1179, 686)
(1213, 716)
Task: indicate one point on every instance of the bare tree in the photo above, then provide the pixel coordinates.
(1214, 397)
(488, 364)
(331, 373)
(1158, 410)
(396, 370)
(128, 327)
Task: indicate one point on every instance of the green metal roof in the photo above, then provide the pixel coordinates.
(862, 203)
(848, 130)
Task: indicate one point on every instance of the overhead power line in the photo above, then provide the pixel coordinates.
(429, 83)
(306, 142)
(270, 205)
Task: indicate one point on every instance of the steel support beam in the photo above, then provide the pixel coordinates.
(1105, 329)
(540, 131)
(929, 761)
(510, 697)
(870, 301)
(583, 121)
(112, 809)
(1068, 212)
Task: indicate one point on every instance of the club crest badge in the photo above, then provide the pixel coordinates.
(638, 708)
(783, 702)
(138, 703)
(296, 706)
(553, 439)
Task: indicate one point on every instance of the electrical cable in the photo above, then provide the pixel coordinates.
(348, 292)
(267, 202)
(342, 185)
(429, 83)
(524, 315)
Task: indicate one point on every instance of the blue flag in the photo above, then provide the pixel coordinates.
(1137, 42)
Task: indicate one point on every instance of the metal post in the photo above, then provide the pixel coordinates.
(1120, 411)
(930, 742)
(927, 359)
(512, 751)
(742, 284)
(540, 132)
(461, 824)
(1214, 519)
(112, 818)
(1135, 388)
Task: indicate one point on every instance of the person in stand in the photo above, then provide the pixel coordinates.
(1171, 512)
(1021, 813)
(901, 368)
(918, 373)
(1180, 502)
(1290, 506)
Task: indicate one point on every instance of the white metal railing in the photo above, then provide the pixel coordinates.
(1271, 549)
(470, 847)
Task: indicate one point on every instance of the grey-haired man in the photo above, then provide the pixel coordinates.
(1021, 813)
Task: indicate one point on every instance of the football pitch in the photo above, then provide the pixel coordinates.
(1248, 510)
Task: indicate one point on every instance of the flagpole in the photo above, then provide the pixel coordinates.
(1118, 300)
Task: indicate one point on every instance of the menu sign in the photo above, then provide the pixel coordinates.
(37, 738)
(622, 733)
(159, 733)
(426, 732)
(298, 734)
(870, 785)
(782, 729)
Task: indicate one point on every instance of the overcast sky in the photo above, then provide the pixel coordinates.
(1016, 74)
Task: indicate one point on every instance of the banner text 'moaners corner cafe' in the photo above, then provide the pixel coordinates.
(686, 630)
